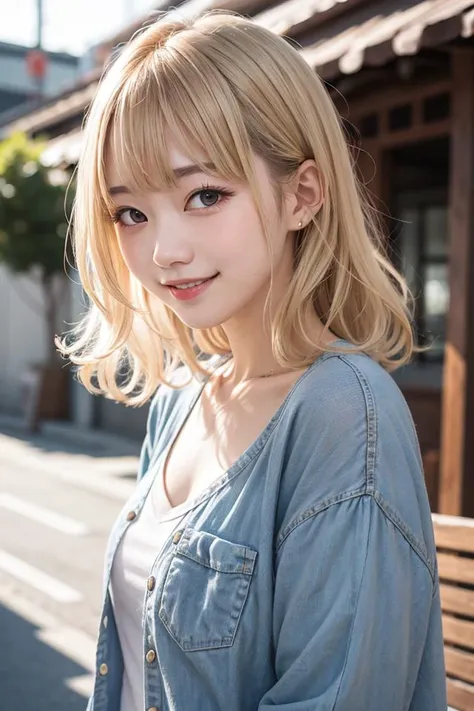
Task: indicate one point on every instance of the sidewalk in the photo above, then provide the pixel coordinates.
(63, 434)
(104, 462)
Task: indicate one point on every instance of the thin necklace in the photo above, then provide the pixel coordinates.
(272, 372)
(254, 377)
(224, 360)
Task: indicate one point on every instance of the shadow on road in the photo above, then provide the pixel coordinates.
(96, 445)
(33, 676)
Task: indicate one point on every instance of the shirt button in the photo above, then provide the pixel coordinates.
(150, 656)
(151, 583)
(103, 669)
(177, 536)
(131, 515)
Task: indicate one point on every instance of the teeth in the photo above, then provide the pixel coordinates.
(188, 286)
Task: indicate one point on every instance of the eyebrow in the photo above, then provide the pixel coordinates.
(179, 173)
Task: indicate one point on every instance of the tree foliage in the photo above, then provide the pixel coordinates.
(34, 202)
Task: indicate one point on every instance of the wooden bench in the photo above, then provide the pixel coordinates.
(455, 546)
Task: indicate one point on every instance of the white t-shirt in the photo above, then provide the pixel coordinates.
(133, 562)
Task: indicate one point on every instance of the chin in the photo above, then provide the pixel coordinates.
(205, 319)
(200, 323)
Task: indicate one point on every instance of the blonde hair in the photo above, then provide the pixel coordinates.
(229, 89)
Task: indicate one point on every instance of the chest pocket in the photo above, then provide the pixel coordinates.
(205, 590)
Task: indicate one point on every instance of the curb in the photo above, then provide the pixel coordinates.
(61, 431)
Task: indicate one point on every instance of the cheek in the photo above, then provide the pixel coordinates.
(250, 249)
(132, 254)
(242, 238)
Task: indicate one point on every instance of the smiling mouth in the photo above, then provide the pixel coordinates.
(189, 284)
(187, 291)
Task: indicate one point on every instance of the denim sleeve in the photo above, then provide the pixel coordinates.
(351, 612)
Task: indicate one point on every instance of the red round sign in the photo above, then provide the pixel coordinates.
(36, 62)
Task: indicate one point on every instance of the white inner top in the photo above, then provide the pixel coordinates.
(133, 562)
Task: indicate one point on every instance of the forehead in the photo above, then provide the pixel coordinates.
(175, 158)
(148, 160)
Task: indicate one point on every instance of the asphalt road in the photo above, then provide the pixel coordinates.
(57, 504)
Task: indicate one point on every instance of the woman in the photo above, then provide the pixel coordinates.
(278, 550)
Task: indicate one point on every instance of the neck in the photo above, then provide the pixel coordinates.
(251, 347)
(249, 335)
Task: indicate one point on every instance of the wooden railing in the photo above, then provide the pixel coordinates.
(455, 547)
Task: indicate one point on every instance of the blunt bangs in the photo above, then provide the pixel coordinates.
(168, 96)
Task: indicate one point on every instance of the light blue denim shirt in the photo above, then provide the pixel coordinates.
(304, 578)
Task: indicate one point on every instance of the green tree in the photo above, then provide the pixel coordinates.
(34, 204)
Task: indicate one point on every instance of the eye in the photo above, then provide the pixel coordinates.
(207, 197)
(129, 217)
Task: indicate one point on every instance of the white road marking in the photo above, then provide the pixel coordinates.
(43, 515)
(36, 578)
(72, 643)
(82, 685)
(83, 472)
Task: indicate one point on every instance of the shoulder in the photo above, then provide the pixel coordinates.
(351, 433)
(352, 379)
(348, 394)
(352, 414)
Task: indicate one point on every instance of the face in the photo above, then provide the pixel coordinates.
(200, 247)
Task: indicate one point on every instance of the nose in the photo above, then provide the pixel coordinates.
(171, 247)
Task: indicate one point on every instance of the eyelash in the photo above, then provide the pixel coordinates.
(224, 194)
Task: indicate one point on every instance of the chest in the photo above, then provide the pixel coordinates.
(211, 441)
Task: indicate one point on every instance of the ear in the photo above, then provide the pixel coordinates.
(304, 196)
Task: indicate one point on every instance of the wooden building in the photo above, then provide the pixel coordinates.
(406, 72)
(402, 75)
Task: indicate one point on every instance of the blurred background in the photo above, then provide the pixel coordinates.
(401, 73)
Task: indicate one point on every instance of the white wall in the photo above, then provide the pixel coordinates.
(23, 341)
(89, 411)
(82, 402)
(22, 333)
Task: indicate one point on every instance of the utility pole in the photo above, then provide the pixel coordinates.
(39, 15)
(36, 58)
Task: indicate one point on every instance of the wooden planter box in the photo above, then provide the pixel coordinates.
(45, 394)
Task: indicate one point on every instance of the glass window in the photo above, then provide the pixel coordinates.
(408, 247)
(436, 303)
(422, 250)
(436, 230)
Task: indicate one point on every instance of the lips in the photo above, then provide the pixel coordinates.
(183, 283)
(189, 285)
(183, 293)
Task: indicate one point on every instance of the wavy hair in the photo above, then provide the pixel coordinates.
(229, 89)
